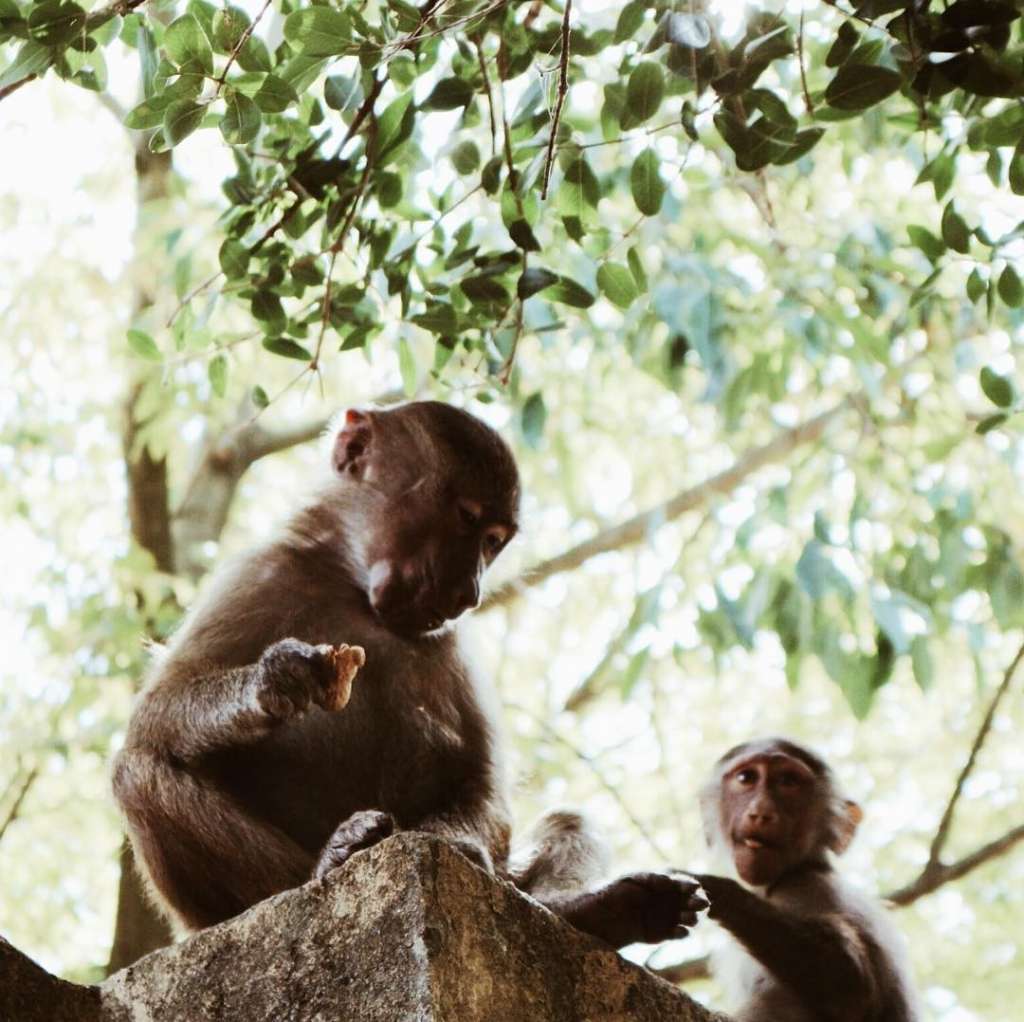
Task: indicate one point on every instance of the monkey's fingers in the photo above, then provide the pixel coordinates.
(345, 662)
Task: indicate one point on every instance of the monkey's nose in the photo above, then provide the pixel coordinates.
(464, 597)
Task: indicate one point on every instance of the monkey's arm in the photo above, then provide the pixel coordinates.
(822, 958)
(191, 710)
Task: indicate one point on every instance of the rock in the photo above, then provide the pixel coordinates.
(408, 931)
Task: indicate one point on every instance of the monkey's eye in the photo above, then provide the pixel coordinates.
(494, 539)
(747, 776)
(470, 511)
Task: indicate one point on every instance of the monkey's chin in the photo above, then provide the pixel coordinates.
(412, 626)
(758, 867)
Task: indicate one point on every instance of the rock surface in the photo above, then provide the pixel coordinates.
(407, 932)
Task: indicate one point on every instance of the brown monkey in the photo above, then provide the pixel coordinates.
(808, 947)
(239, 776)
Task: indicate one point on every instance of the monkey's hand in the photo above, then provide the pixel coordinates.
(361, 830)
(639, 907)
(292, 674)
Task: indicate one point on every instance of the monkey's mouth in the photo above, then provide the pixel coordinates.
(756, 842)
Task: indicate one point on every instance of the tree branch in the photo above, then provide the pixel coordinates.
(635, 529)
(942, 833)
(938, 875)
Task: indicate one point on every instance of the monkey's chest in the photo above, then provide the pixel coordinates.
(412, 757)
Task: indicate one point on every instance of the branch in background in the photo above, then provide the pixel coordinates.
(242, 40)
(23, 788)
(642, 525)
(942, 833)
(940, 874)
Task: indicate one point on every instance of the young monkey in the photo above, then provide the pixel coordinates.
(808, 948)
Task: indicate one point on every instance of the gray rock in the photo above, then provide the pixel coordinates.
(409, 931)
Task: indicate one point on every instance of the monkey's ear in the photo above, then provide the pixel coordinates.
(846, 823)
(352, 444)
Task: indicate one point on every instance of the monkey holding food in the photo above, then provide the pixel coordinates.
(806, 947)
(256, 757)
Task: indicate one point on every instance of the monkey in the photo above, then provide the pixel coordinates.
(241, 775)
(806, 947)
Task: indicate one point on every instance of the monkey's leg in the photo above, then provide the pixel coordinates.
(569, 859)
(204, 854)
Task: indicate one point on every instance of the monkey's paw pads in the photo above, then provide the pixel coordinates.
(361, 830)
(345, 662)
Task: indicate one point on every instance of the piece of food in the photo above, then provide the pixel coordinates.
(346, 661)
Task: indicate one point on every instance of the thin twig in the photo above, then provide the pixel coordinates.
(361, 114)
(12, 813)
(598, 773)
(490, 96)
(14, 86)
(942, 833)
(563, 89)
(800, 60)
(242, 40)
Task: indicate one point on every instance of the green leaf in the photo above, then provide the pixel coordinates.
(318, 31)
(32, 59)
(1010, 289)
(55, 22)
(407, 368)
(266, 307)
(923, 239)
(617, 284)
(846, 39)
(466, 157)
(259, 397)
(389, 124)
(185, 40)
(148, 114)
(631, 17)
(449, 94)
(976, 285)
(993, 421)
(254, 56)
(483, 290)
(234, 259)
(644, 92)
(636, 267)
(241, 121)
(955, 232)
(921, 659)
(534, 416)
(859, 86)
(534, 279)
(287, 348)
(439, 318)
(143, 345)
(229, 25)
(1016, 172)
(275, 95)
(522, 234)
(181, 119)
(342, 93)
(803, 143)
(568, 292)
(217, 372)
(646, 184)
(998, 389)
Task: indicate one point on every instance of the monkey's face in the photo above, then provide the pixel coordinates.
(426, 569)
(438, 492)
(770, 813)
